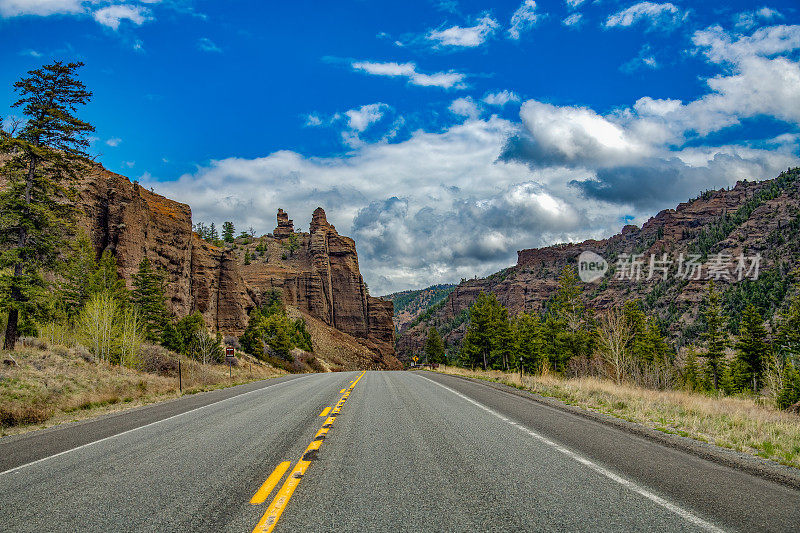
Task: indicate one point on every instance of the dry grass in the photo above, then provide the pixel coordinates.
(54, 385)
(738, 423)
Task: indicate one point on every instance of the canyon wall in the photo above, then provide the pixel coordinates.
(320, 277)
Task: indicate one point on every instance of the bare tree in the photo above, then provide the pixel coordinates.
(614, 334)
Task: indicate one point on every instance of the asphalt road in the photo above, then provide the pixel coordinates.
(398, 452)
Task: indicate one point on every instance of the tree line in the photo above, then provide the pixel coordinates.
(627, 345)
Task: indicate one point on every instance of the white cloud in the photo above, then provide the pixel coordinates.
(465, 107)
(573, 20)
(645, 59)
(657, 16)
(501, 98)
(468, 37)
(113, 15)
(574, 4)
(523, 19)
(313, 120)
(446, 80)
(114, 141)
(360, 119)
(747, 20)
(207, 45)
(14, 8)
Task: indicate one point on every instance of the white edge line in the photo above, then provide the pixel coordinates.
(261, 389)
(683, 513)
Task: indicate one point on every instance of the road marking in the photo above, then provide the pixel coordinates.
(273, 479)
(325, 411)
(281, 500)
(341, 391)
(683, 513)
(20, 467)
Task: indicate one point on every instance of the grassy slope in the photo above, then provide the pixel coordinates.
(737, 423)
(51, 386)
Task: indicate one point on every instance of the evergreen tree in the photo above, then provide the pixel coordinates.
(228, 231)
(714, 335)
(213, 234)
(43, 159)
(569, 329)
(477, 345)
(502, 353)
(752, 351)
(789, 393)
(434, 347)
(528, 342)
(78, 268)
(293, 244)
(247, 257)
(690, 377)
(148, 298)
(105, 278)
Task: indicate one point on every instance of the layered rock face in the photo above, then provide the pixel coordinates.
(321, 278)
(751, 218)
(133, 222)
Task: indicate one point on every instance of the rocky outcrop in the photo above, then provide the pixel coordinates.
(320, 278)
(285, 226)
(751, 218)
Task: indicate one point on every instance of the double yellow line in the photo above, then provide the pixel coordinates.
(281, 500)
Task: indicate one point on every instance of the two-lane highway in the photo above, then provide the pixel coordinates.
(374, 451)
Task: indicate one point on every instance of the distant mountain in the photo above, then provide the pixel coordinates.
(410, 305)
(751, 218)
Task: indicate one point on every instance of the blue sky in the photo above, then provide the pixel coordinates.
(442, 135)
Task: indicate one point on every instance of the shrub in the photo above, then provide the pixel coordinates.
(158, 360)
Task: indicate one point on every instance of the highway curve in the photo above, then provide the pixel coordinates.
(374, 451)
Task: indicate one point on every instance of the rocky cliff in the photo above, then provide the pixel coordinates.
(751, 218)
(319, 275)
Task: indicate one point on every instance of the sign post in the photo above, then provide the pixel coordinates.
(230, 357)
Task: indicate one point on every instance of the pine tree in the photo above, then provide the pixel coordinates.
(789, 393)
(569, 329)
(213, 234)
(690, 377)
(228, 231)
(434, 347)
(528, 342)
(105, 278)
(714, 335)
(752, 351)
(44, 158)
(502, 353)
(78, 268)
(477, 345)
(148, 299)
(247, 257)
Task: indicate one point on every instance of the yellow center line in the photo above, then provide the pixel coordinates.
(281, 500)
(341, 391)
(269, 484)
(325, 411)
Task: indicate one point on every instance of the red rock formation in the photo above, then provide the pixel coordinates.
(285, 226)
(770, 229)
(321, 279)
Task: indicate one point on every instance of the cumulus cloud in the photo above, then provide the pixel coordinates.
(457, 202)
(574, 4)
(43, 8)
(573, 20)
(468, 37)
(114, 141)
(523, 19)
(446, 80)
(656, 16)
(747, 20)
(361, 118)
(113, 15)
(465, 107)
(501, 98)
